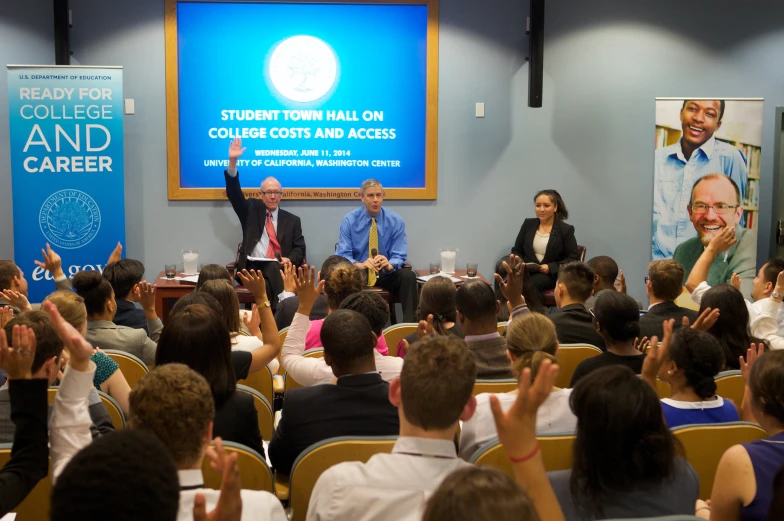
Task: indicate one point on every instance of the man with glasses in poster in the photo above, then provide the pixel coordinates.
(271, 237)
(716, 204)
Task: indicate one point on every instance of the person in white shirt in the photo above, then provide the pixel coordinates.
(432, 394)
(530, 340)
(766, 315)
(313, 371)
(175, 403)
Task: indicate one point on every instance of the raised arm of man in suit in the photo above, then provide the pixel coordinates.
(233, 188)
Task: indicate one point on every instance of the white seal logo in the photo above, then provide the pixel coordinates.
(69, 219)
(303, 68)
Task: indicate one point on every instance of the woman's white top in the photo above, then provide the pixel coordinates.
(249, 343)
(540, 244)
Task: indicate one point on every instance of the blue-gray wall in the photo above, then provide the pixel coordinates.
(605, 61)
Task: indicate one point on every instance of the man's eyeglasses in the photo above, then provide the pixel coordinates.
(719, 208)
(272, 193)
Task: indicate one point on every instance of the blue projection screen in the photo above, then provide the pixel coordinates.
(323, 96)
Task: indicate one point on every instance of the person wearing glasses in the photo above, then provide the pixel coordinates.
(679, 166)
(716, 204)
(271, 237)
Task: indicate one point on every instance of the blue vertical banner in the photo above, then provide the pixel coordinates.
(67, 167)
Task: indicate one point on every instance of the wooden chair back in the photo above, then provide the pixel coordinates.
(263, 411)
(394, 334)
(261, 380)
(254, 472)
(495, 386)
(556, 452)
(569, 357)
(133, 369)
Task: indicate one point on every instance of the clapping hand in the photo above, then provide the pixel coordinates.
(254, 282)
(52, 262)
(620, 282)
(17, 299)
(6, 315)
(752, 354)
(229, 507)
(289, 275)
(735, 281)
(78, 348)
(116, 254)
(705, 321)
(657, 354)
(512, 288)
(17, 360)
(642, 345)
(306, 291)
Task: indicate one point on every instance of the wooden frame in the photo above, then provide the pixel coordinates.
(429, 191)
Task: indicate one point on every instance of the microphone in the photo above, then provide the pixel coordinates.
(278, 257)
(373, 252)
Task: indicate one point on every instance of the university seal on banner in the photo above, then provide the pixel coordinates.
(70, 219)
(303, 68)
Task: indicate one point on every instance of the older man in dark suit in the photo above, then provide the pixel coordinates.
(270, 236)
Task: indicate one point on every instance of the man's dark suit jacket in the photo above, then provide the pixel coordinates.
(574, 325)
(651, 322)
(358, 405)
(288, 307)
(253, 214)
(561, 248)
(129, 315)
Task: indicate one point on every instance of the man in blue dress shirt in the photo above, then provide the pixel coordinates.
(374, 239)
(679, 166)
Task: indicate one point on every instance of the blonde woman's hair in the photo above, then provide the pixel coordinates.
(70, 305)
(531, 339)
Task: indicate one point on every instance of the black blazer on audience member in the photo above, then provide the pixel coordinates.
(651, 322)
(561, 248)
(129, 315)
(574, 325)
(237, 420)
(358, 405)
(284, 314)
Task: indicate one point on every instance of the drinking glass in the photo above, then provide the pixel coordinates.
(434, 268)
(171, 271)
(471, 269)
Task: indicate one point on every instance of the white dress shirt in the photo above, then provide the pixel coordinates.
(313, 371)
(554, 417)
(389, 487)
(257, 505)
(69, 425)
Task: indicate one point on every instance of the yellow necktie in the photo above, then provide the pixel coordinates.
(372, 245)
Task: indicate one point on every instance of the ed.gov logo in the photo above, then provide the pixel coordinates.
(70, 219)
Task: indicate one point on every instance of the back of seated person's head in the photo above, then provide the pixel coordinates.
(695, 358)
(531, 339)
(370, 305)
(198, 338)
(71, 307)
(479, 493)
(197, 297)
(617, 316)
(766, 385)
(665, 279)
(577, 279)
(96, 291)
(437, 298)
(605, 269)
(128, 476)
(175, 403)
(8, 271)
(123, 275)
(436, 383)
(343, 280)
(475, 301)
(331, 263)
(212, 272)
(732, 327)
(48, 346)
(348, 341)
(622, 442)
(224, 293)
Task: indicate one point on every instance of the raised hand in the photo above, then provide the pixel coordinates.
(289, 275)
(425, 327)
(6, 315)
(229, 507)
(116, 254)
(235, 150)
(642, 345)
(735, 281)
(657, 354)
(146, 296)
(705, 321)
(723, 240)
(52, 262)
(253, 321)
(306, 291)
(17, 360)
(17, 299)
(512, 288)
(78, 348)
(620, 282)
(254, 282)
(752, 354)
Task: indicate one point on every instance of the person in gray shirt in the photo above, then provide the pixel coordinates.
(627, 463)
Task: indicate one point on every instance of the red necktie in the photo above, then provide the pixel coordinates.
(274, 245)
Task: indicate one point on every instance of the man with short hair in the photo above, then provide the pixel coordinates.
(13, 286)
(175, 403)
(374, 239)
(433, 393)
(664, 285)
(125, 276)
(679, 166)
(357, 405)
(715, 204)
(477, 312)
(573, 322)
(269, 233)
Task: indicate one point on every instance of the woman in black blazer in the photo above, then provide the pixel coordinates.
(548, 236)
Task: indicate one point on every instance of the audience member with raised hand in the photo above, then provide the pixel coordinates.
(530, 294)
(13, 287)
(108, 376)
(197, 337)
(29, 461)
(212, 272)
(512, 286)
(617, 319)
(126, 277)
(626, 462)
(358, 405)
(573, 321)
(101, 307)
(477, 311)
(664, 285)
(436, 300)
(688, 360)
(229, 506)
(289, 302)
(54, 265)
(6, 315)
(743, 487)
(530, 340)
(432, 395)
(473, 493)
(175, 403)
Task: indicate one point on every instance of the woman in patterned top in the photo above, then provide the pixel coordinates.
(108, 376)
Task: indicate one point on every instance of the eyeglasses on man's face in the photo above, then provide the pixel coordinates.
(272, 193)
(719, 208)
